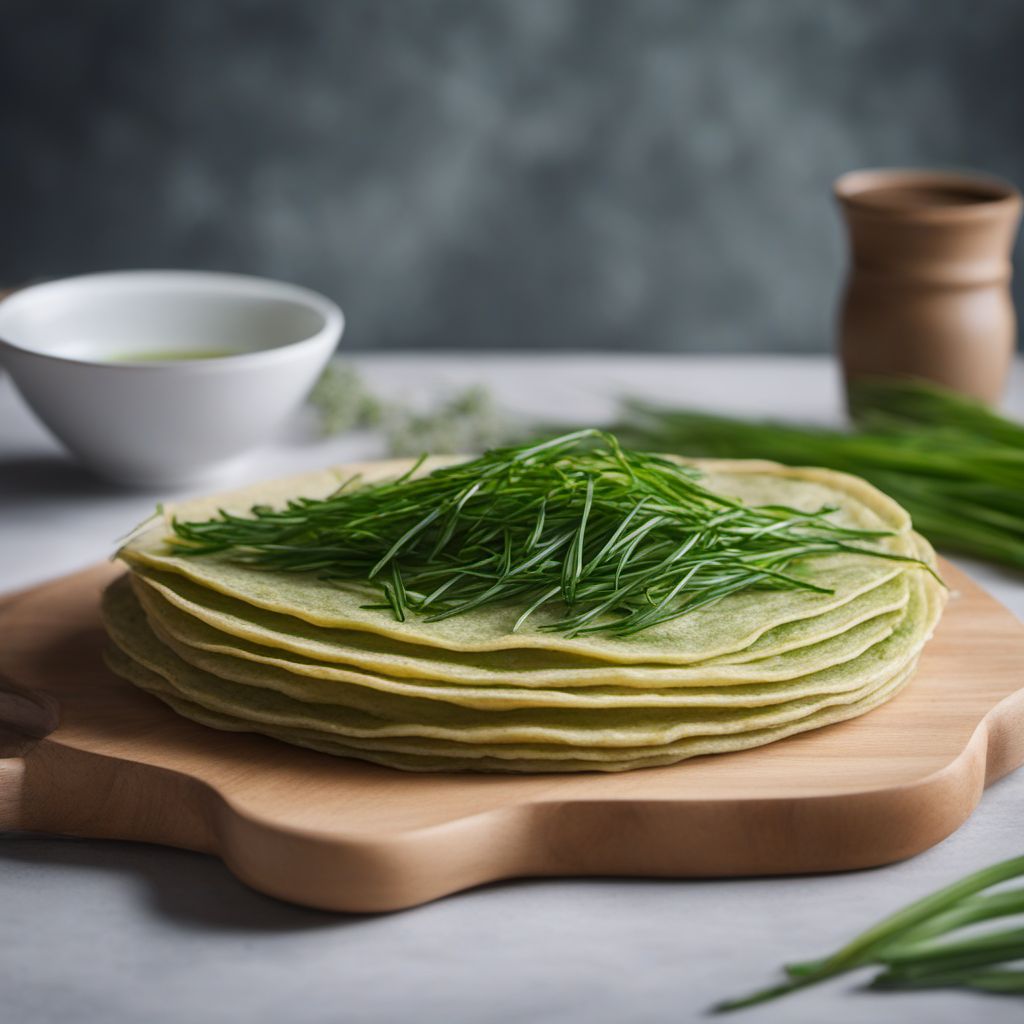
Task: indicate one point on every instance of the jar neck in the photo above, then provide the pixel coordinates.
(967, 252)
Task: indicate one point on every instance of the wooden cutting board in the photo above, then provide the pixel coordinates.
(82, 753)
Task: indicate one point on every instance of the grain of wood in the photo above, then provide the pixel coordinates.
(343, 835)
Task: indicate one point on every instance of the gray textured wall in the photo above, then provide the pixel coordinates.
(640, 174)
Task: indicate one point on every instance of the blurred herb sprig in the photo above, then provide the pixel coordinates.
(954, 464)
(468, 421)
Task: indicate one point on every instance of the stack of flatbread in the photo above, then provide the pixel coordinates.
(292, 656)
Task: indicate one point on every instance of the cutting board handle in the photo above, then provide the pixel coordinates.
(26, 717)
(1005, 737)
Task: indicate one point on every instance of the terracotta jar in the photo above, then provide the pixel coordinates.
(928, 291)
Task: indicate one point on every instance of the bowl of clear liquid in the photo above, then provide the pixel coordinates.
(165, 378)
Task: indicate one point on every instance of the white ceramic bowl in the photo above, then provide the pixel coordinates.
(77, 351)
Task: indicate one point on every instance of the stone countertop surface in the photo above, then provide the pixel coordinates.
(123, 932)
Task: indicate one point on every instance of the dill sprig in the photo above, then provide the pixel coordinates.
(619, 540)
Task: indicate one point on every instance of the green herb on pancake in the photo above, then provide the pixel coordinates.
(625, 540)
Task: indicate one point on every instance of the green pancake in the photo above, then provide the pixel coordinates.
(363, 714)
(296, 658)
(315, 683)
(513, 760)
(210, 621)
(729, 626)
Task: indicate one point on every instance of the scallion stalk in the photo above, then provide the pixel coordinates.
(905, 943)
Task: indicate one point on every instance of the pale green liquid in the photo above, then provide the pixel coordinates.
(172, 355)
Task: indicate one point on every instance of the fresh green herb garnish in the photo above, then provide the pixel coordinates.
(957, 467)
(914, 947)
(625, 540)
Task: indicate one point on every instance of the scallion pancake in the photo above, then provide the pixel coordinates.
(175, 627)
(455, 760)
(729, 626)
(297, 658)
(213, 622)
(323, 684)
(253, 693)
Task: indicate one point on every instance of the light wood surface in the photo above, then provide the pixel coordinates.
(343, 835)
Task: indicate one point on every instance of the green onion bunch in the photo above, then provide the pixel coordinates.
(619, 540)
(955, 465)
(933, 943)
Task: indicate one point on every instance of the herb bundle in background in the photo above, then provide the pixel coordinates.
(955, 465)
(468, 420)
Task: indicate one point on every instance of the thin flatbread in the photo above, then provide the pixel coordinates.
(726, 627)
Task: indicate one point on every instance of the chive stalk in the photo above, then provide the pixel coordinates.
(905, 943)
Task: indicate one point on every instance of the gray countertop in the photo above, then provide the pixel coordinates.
(121, 932)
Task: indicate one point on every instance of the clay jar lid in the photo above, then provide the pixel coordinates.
(926, 196)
